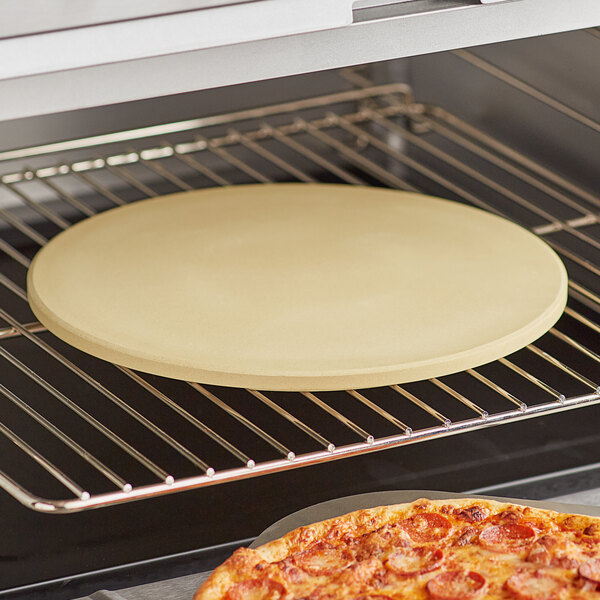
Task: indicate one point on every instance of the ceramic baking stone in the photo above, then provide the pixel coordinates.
(297, 286)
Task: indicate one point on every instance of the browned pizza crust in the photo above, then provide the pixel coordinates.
(462, 513)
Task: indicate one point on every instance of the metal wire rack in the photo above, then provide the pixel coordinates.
(79, 433)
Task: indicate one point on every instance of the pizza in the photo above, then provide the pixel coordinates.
(459, 549)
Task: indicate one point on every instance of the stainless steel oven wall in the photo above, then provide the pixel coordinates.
(543, 101)
(54, 128)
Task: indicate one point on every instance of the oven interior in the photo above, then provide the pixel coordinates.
(513, 128)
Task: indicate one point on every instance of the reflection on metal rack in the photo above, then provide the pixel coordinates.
(234, 434)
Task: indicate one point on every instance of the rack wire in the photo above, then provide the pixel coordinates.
(79, 433)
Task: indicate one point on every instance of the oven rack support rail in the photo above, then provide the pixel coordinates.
(353, 138)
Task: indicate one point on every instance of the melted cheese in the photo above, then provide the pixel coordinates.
(376, 575)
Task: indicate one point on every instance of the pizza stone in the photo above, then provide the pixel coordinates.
(297, 286)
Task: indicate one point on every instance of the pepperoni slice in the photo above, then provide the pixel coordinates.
(410, 562)
(372, 597)
(256, 589)
(457, 585)
(507, 538)
(535, 585)
(591, 570)
(426, 527)
(323, 559)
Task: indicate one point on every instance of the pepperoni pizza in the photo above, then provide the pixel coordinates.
(460, 549)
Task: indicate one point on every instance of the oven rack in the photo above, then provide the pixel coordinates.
(78, 433)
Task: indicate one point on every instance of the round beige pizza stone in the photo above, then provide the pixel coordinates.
(297, 286)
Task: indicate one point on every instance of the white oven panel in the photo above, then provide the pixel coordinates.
(106, 63)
